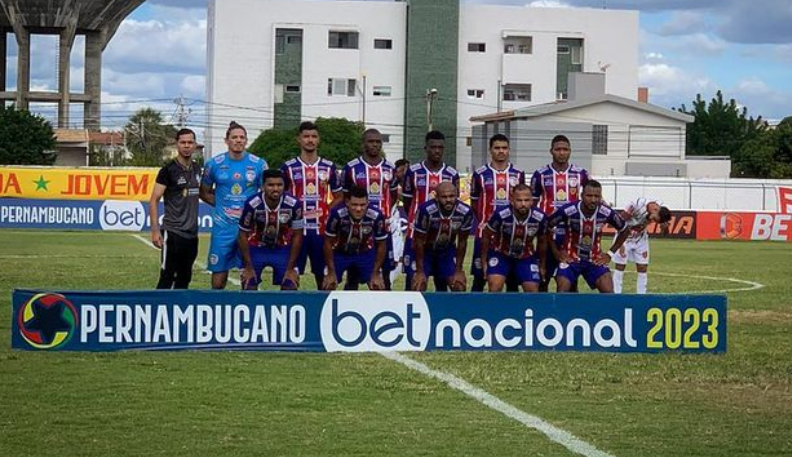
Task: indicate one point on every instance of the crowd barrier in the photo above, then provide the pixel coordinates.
(366, 321)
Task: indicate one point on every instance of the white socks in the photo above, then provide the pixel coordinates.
(618, 277)
(643, 278)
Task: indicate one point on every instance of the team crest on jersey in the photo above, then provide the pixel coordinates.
(561, 195)
(386, 174)
(323, 175)
(250, 175)
(501, 180)
(573, 181)
(501, 195)
(514, 180)
(585, 241)
(310, 189)
(236, 189)
(374, 188)
(284, 217)
(366, 230)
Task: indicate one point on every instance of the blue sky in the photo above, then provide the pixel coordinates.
(686, 47)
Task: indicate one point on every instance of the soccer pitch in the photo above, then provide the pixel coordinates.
(229, 403)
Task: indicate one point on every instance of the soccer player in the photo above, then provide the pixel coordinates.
(314, 181)
(420, 182)
(229, 179)
(580, 252)
(491, 186)
(355, 239)
(270, 234)
(508, 247)
(554, 186)
(637, 215)
(179, 182)
(440, 236)
(378, 177)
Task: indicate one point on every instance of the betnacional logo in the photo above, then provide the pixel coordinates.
(122, 215)
(397, 321)
(47, 321)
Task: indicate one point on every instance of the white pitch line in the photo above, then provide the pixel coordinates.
(555, 434)
(753, 285)
(200, 264)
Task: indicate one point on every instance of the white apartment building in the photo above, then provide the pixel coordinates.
(276, 62)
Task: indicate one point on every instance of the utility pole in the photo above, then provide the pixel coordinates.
(431, 94)
(182, 112)
(364, 100)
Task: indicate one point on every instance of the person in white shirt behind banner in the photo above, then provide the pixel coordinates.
(637, 216)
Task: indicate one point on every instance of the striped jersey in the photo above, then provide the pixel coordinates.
(442, 230)
(378, 180)
(553, 189)
(314, 185)
(271, 227)
(419, 185)
(355, 236)
(513, 237)
(490, 188)
(584, 234)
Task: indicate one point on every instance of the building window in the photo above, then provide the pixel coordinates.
(518, 45)
(563, 49)
(341, 86)
(469, 141)
(293, 39)
(280, 44)
(382, 43)
(599, 139)
(343, 40)
(385, 137)
(475, 93)
(517, 93)
(382, 91)
(577, 55)
(293, 89)
(477, 47)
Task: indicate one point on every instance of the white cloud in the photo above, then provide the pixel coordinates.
(683, 23)
(194, 86)
(671, 86)
(701, 43)
(654, 56)
(166, 45)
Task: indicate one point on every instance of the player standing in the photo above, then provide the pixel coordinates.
(508, 247)
(440, 236)
(491, 186)
(229, 179)
(377, 176)
(554, 186)
(638, 215)
(314, 181)
(179, 182)
(420, 182)
(355, 238)
(580, 252)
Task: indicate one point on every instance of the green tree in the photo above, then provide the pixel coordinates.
(340, 141)
(768, 156)
(720, 128)
(147, 137)
(25, 138)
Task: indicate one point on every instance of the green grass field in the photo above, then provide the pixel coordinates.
(224, 403)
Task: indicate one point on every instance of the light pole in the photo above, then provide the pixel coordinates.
(431, 94)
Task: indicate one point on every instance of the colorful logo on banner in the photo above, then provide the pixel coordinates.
(47, 321)
(77, 184)
(366, 321)
(716, 225)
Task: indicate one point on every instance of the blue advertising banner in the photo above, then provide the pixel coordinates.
(365, 321)
(108, 215)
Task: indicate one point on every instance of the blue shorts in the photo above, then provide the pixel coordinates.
(525, 270)
(441, 262)
(312, 248)
(223, 249)
(590, 272)
(363, 263)
(277, 258)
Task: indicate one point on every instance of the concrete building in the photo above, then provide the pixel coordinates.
(72, 148)
(610, 135)
(386, 63)
(97, 20)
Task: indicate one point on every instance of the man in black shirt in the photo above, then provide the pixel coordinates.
(178, 182)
